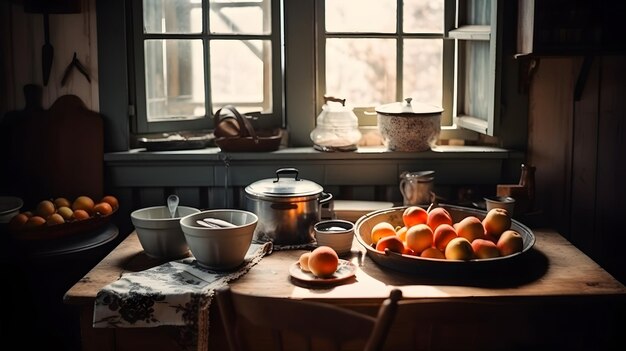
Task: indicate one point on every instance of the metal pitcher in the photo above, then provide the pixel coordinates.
(417, 187)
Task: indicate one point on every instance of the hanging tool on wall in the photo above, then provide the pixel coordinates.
(46, 8)
(75, 64)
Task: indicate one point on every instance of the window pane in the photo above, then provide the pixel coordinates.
(423, 70)
(423, 16)
(363, 71)
(172, 16)
(476, 78)
(361, 16)
(240, 16)
(174, 79)
(241, 74)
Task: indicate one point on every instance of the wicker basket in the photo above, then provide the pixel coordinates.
(234, 133)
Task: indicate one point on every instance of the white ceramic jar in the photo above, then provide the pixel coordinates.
(409, 126)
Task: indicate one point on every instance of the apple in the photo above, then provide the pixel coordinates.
(470, 228)
(484, 248)
(459, 249)
(497, 221)
(510, 242)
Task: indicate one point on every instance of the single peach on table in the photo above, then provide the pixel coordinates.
(510, 242)
(484, 248)
(393, 243)
(433, 252)
(442, 236)
(381, 230)
(438, 216)
(470, 228)
(419, 237)
(459, 249)
(413, 215)
(496, 221)
(323, 261)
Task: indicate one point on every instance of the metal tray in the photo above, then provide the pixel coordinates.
(430, 266)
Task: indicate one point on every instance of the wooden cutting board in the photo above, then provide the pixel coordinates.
(55, 152)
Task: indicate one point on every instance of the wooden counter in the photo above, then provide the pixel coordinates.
(567, 298)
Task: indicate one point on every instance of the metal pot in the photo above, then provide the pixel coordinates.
(287, 208)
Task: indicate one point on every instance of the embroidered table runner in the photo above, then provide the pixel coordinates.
(176, 293)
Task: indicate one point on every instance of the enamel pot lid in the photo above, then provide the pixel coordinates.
(408, 107)
(284, 187)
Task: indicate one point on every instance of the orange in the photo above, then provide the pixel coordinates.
(84, 203)
(102, 209)
(381, 230)
(111, 200)
(413, 215)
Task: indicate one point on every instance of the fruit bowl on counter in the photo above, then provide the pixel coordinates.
(62, 218)
(392, 255)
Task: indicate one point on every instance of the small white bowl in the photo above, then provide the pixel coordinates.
(505, 202)
(159, 234)
(220, 248)
(336, 233)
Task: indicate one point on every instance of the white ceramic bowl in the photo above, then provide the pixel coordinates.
(505, 202)
(9, 207)
(336, 233)
(220, 248)
(159, 234)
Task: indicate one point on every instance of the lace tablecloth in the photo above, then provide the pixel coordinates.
(176, 293)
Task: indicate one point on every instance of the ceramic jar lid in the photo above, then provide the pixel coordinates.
(408, 106)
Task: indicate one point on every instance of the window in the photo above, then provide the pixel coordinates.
(194, 56)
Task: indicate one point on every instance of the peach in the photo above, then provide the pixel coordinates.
(442, 236)
(54, 219)
(510, 242)
(496, 221)
(84, 203)
(393, 243)
(438, 216)
(304, 261)
(323, 261)
(433, 252)
(61, 202)
(34, 222)
(401, 233)
(45, 208)
(419, 237)
(413, 215)
(459, 249)
(484, 248)
(470, 228)
(381, 230)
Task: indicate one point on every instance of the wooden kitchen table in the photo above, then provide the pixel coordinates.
(568, 300)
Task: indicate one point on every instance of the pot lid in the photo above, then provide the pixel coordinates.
(408, 107)
(283, 186)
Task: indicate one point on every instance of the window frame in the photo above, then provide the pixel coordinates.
(137, 77)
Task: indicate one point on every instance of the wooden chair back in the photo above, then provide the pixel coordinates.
(303, 325)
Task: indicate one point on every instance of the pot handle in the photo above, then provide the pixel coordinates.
(285, 171)
(325, 198)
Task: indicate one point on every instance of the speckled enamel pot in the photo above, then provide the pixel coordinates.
(409, 126)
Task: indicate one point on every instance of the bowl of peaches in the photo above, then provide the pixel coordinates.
(442, 239)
